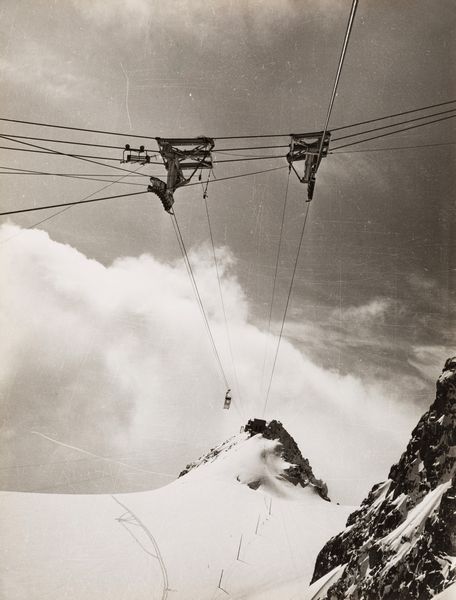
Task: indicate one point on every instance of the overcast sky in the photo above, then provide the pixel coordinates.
(104, 347)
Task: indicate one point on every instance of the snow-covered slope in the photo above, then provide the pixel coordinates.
(297, 471)
(401, 543)
(207, 530)
(448, 594)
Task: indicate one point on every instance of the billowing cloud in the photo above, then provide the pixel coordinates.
(115, 359)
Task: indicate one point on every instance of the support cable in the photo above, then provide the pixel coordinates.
(336, 80)
(63, 153)
(86, 201)
(221, 150)
(351, 135)
(240, 148)
(394, 148)
(242, 175)
(368, 121)
(198, 297)
(81, 156)
(233, 137)
(71, 176)
(186, 262)
(54, 141)
(286, 307)
(222, 302)
(188, 267)
(59, 212)
(36, 208)
(399, 114)
(17, 171)
(320, 152)
(230, 160)
(227, 150)
(114, 159)
(144, 137)
(275, 278)
(376, 137)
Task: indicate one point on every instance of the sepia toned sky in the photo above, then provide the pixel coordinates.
(105, 349)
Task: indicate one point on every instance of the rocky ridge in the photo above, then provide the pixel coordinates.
(298, 473)
(401, 543)
(212, 454)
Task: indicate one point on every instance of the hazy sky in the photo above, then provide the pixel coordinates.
(104, 348)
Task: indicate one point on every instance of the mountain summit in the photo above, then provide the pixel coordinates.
(279, 458)
(401, 543)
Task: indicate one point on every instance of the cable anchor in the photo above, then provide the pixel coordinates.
(311, 148)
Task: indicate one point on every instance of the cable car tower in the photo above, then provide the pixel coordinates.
(179, 155)
(311, 148)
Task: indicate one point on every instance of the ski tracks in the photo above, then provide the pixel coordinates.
(158, 555)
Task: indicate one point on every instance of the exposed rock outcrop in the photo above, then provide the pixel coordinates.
(401, 543)
(300, 471)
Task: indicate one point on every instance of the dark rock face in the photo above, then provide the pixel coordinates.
(300, 472)
(401, 541)
(431, 442)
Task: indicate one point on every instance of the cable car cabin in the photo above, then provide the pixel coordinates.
(306, 147)
(255, 426)
(227, 402)
(135, 155)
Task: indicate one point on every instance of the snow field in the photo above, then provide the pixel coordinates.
(172, 542)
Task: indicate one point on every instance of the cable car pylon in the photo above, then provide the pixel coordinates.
(311, 148)
(179, 155)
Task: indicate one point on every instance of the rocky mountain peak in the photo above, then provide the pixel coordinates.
(401, 543)
(296, 469)
(300, 472)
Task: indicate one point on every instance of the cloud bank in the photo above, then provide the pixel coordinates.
(117, 360)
